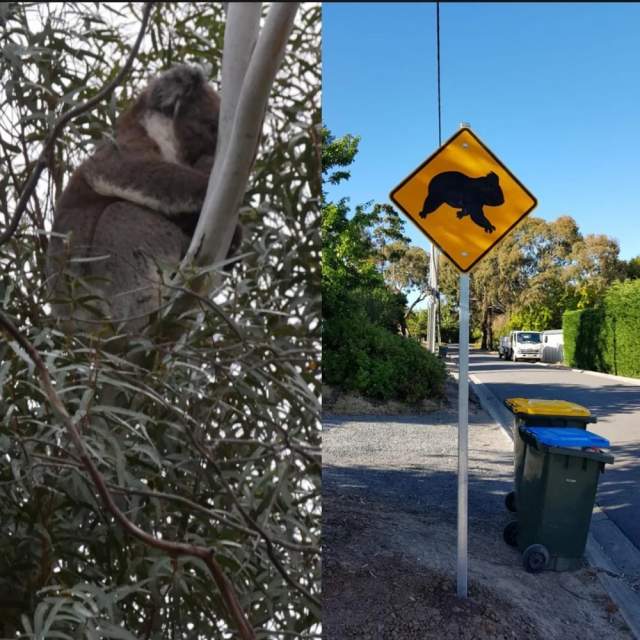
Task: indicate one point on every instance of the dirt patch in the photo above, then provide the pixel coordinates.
(341, 403)
(391, 575)
(389, 540)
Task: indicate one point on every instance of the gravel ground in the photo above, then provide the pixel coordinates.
(389, 539)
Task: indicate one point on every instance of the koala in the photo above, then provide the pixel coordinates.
(469, 194)
(132, 207)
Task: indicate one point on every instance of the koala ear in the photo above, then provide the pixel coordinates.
(170, 89)
(492, 176)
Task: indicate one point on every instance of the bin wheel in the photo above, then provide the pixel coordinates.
(510, 533)
(535, 558)
(510, 501)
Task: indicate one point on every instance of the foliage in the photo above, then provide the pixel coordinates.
(361, 313)
(631, 268)
(418, 324)
(351, 251)
(360, 356)
(582, 338)
(381, 306)
(449, 323)
(213, 440)
(406, 268)
(337, 153)
(540, 270)
(606, 338)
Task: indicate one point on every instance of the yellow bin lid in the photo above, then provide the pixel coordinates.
(538, 407)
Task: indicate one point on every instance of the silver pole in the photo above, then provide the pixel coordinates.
(433, 308)
(463, 435)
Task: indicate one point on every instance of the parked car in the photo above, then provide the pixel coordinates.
(504, 347)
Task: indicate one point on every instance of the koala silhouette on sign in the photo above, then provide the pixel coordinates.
(468, 194)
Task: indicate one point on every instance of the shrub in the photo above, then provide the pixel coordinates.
(383, 307)
(360, 356)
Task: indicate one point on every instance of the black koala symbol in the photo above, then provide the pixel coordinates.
(467, 194)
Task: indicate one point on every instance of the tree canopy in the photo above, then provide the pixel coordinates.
(364, 307)
(539, 271)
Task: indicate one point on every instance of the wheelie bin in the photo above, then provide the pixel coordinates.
(557, 492)
(540, 413)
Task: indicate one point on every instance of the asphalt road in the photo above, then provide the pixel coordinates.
(616, 405)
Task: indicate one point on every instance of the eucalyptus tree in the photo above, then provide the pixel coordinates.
(189, 508)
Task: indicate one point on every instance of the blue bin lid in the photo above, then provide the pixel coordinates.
(567, 437)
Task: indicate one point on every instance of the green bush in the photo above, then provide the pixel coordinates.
(383, 307)
(606, 338)
(360, 356)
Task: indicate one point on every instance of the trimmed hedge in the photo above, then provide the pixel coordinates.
(606, 338)
(582, 335)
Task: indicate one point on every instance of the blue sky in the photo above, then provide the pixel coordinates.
(552, 89)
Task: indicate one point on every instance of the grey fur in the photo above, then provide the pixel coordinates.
(128, 212)
(167, 92)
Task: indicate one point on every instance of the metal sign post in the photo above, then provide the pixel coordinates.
(465, 201)
(433, 307)
(463, 435)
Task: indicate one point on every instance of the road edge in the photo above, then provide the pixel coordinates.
(635, 382)
(606, 565)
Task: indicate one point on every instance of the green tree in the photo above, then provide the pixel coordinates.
(631, 268)
(362, 314)
(418, 324)
(534, 274)
(407, 270)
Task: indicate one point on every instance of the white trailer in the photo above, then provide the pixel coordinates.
(552, 346)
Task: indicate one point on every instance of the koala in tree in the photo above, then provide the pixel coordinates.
(132, 207)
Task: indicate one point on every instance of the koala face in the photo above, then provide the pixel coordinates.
(180, 111)
(491, 191)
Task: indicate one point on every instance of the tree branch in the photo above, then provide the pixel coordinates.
(66, 117)
(174, 549)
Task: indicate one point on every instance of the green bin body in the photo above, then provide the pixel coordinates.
(530, 412)
(557, 493)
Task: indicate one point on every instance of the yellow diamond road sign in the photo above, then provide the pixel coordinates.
(464, 199)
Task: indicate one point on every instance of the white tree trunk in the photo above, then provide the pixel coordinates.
(249, 65)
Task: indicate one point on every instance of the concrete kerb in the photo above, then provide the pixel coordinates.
(613, 556)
